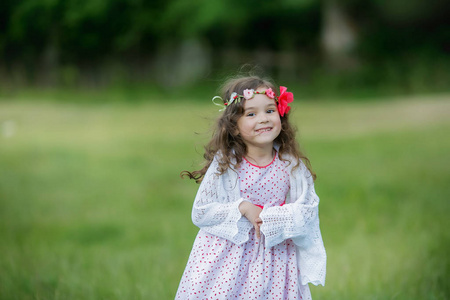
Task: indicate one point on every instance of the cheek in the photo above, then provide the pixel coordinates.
(279, 125)
(240, 128)
(244, 125)
(277, 120)
(244, 130)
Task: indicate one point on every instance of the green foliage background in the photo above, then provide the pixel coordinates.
(109, 42)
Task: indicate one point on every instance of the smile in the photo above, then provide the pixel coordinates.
(266, 129)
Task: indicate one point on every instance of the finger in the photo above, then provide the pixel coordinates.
(258, 233)
(258, 221)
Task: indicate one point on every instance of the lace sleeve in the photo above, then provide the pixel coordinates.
(216, 207)
(300, 222)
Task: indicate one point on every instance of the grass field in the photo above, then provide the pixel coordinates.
(91, 205)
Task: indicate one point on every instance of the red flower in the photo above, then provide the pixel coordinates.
(283, 100)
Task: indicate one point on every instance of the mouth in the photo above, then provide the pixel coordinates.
(262, 130)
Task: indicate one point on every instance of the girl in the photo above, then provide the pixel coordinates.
(256, 206)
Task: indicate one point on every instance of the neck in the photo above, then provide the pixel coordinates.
(260, 156)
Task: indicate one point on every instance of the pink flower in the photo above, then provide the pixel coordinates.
(248, 94)
(283, 100)
(270, 93)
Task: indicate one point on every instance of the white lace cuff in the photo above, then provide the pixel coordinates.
(223, 220)
(279, 224)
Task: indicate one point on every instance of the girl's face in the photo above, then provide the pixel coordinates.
(260, 124)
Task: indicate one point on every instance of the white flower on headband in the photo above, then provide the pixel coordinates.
(248, 93)
(232, 98)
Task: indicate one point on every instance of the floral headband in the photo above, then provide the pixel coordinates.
(282, 100)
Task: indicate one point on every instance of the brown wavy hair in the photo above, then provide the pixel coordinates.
(227, 141)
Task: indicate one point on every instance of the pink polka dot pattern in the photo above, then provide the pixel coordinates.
(266, 186)
(220, 269)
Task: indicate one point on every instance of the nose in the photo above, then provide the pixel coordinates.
(263, 118)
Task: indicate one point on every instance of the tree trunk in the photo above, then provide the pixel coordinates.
(339, 36)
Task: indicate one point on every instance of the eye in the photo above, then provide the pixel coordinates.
(250, 114)
(270, 111)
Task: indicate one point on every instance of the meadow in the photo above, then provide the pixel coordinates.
(92, 206)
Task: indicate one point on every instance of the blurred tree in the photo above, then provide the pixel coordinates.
(339, 35)
(29, 38)
(47, 41)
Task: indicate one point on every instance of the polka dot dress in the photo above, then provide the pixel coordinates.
(220, 269)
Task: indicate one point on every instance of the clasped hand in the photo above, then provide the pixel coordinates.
(251, 212)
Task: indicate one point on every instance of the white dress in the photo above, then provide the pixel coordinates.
(220, 269)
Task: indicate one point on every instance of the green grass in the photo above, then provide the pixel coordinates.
(91, 205)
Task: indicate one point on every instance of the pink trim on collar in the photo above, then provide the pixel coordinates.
(262, 167)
